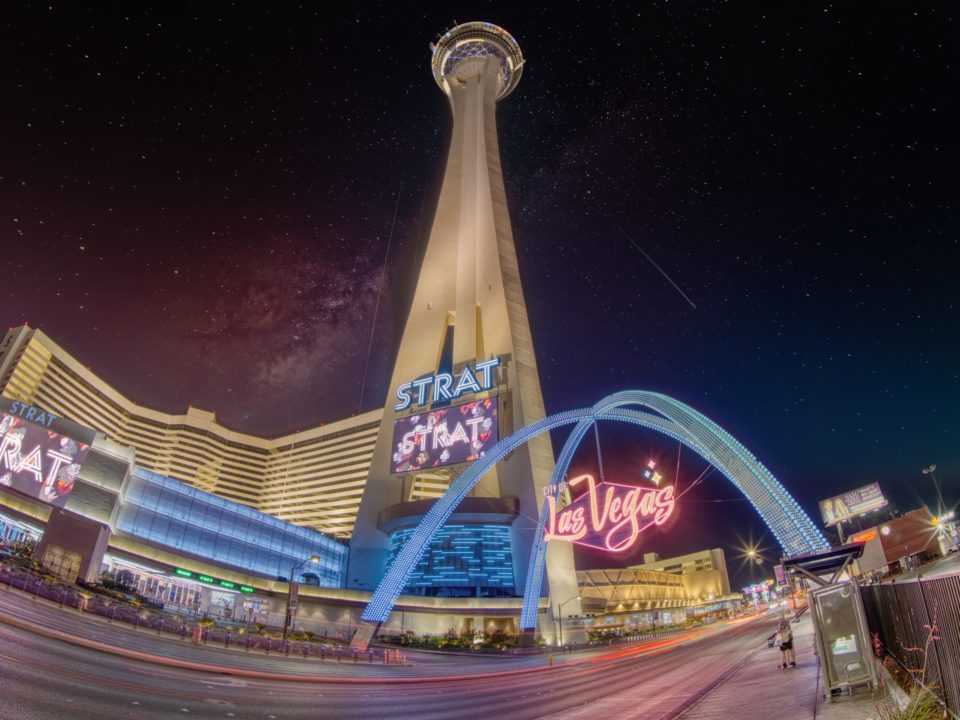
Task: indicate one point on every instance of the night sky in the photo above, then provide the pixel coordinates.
(197, 202)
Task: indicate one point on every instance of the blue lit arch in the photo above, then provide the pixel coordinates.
(789, 524)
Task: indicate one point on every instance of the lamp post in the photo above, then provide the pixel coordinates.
(930, 471)
(560, 616)
(292, 595)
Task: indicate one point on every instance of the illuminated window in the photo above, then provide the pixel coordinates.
(462, 561)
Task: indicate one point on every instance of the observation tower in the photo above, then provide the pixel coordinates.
(466, 340)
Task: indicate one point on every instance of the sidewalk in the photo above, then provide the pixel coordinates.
(758, 688)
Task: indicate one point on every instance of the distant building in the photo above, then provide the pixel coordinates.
(704, 572)
(657, 592)
(899, 544)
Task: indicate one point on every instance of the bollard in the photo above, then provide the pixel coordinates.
(369, 656)
(197, 634)
(339, 654)
(354, 657)
(550, 660)
(323, 652)
(160, 629)
(226, 639)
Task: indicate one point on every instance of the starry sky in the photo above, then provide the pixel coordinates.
(750, 208)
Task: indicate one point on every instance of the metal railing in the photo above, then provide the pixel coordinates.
(917, 622)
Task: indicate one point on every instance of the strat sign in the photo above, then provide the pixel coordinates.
(446, 436)
(444, 387)
(36, 457)
(608, 516)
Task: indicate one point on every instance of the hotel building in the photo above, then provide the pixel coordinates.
(313, 478)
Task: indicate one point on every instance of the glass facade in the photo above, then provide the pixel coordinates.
(15, 531)
(177, 516)
(462, 561)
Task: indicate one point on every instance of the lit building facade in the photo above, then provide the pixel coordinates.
(464, 561)
(313, 478)
(659, 591)
(186, 520)
(703, 573)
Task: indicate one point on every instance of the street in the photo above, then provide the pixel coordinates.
(46, 679)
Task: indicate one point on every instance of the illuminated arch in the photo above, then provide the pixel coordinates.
(789, 524)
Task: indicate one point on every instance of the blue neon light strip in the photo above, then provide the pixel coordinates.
(792, 528)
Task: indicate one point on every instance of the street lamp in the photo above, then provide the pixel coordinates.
(292, 596)
(560, 616)
(936, 485)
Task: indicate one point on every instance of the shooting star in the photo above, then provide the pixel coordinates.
(652, 262)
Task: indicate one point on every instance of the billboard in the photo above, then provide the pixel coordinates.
(40, 453)
(853, 503)
(446, 436)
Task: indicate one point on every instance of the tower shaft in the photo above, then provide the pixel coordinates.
(469, 285)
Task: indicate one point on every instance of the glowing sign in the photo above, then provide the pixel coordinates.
(608, 516)
(36, 457)
(445, 387)
(865, 536)
(211, 580)
(456, 434)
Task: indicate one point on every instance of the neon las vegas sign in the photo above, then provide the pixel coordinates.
(444, 386)
(608, 516)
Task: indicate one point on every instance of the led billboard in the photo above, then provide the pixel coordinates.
(446, 436)
(40, 453)
(850, 504)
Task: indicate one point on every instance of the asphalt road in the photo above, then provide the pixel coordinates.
(24, 609)
(47, 679)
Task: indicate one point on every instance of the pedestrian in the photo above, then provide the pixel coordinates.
(788, 656)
